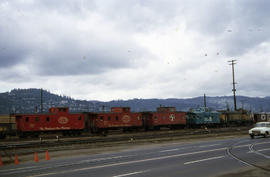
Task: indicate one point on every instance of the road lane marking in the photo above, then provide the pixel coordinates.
(234, 157)
(202, 160)
(11, 169)
(209, 145)
(105, 158)
(258, 153)
(44, 174)
(128, 162)
(129, 174)
(264, 149)
(247, 145)
(169, 150)
(35, 168)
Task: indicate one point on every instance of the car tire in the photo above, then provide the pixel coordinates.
(251, 136)
(265, 135)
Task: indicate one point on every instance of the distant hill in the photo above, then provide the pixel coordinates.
(29, 101)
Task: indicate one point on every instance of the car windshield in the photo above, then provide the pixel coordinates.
(262, 125)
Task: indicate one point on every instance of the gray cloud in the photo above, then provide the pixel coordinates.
(70, 59)
(100, 39)
(57, 46)
(13, 47)
(237, 26)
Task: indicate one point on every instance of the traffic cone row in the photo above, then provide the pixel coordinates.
(16, 160)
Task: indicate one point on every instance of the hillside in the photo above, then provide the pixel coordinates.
(29, 101)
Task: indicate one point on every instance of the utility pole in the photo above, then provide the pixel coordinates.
(204, 100)
(41, 100)
(232, 62)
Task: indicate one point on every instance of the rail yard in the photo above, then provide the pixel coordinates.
(28, 137)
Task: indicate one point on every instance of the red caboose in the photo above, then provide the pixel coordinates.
(58, 119)
(164, 117)
(119, 117)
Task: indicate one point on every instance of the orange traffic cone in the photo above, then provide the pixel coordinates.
(36, 157)
(1, 163)
(47, 155)
(16, 161)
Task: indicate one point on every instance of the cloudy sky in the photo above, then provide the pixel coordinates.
(123, 49)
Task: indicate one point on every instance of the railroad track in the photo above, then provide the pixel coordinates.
(115, 138)
(244, 161)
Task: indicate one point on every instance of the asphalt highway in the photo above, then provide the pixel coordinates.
(207, 158)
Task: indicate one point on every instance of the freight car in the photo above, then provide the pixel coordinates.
(262, 117)
(60, 120)
(164, 117)
(203, 116)
(236, 118)
(7, 125)
(57, 120)
(118, 118)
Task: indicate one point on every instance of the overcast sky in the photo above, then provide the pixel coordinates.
(123, 49)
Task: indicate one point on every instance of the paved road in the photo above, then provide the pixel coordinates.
(208, 158)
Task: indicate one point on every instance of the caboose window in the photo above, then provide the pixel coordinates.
(101, 118)
(26, 119)
(116, 118)
(80, 118)
(47, 119)
(155, 117)
(37, 119)
(109, 118)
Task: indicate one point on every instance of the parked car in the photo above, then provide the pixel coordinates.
(260, 129)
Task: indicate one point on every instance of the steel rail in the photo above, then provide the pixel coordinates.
(91, 140)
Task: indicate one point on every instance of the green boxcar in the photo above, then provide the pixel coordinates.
(203, 116)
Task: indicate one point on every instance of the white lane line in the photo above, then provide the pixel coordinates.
(35, 168)
(169, 150)
(105, 158)
(264, 149)
(247, 145)
(45, 174)
(129, 162)
(258, 153)
(18, 168)
(202, 160)
(209, 145)
(129, 174)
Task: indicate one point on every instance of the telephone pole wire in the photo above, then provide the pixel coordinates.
(232, 62)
